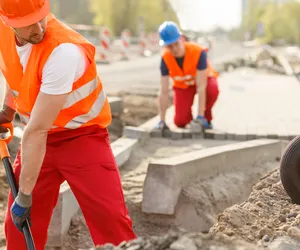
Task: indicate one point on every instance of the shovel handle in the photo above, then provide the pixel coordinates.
(4, 141)
(14, 190)
(4, 154)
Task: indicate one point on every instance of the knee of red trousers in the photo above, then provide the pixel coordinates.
(182, 119)
(181, 122)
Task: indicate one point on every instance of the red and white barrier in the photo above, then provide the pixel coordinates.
(125, 37)
(153, 39)
(142, 43)
(109, 50)
(104, 43)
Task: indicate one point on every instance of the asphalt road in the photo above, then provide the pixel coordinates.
(143, 72)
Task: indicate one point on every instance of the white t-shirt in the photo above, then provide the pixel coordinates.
(65, 65)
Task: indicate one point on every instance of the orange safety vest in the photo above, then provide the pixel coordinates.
(183, 78)
(86, 104)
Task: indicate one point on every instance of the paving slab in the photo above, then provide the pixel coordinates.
(135, 133)
(252, 104)
(263, 104)
(166, 177)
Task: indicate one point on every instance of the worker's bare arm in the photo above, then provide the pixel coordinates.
(201, 82)
(163, 96)
(33, 147)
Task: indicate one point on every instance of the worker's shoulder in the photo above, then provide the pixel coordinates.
(196, 47)
(69, 50)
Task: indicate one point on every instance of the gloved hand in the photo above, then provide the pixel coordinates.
(161, 125)
(203, 120)
(20, 209)
(6, 116)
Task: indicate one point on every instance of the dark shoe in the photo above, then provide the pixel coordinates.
(161, 125)
(210, 126)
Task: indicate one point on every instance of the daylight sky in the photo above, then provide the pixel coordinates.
(206, 14)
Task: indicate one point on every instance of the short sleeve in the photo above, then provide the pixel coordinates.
(202, 63)
(64, 65)
(163, 68)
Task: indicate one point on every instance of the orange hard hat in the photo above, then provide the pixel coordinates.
(22, 13)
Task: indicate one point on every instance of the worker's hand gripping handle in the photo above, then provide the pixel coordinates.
(5, 140)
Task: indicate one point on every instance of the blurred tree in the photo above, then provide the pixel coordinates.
(290, 14)
(156, 12)
(121, 14)
(255, 11)
(280, 21)
(73, 11)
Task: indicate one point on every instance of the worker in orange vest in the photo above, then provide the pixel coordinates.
(187, 64)
(53, 85)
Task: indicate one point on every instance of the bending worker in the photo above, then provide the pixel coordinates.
(187, 64)
(51, 73)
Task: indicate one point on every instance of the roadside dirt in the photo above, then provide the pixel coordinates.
(266, 220)
(137, 110)
(198, 204)
(184, 241)
(133, 174)
(267, 214)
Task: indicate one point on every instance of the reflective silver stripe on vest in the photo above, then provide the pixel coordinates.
(77, 121)
(24, 118)
(183, 78)
(187, 79)
(81, 93)
(74, 97)
(14, 93)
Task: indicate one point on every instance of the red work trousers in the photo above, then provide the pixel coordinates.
(84, 158)
(184, 98)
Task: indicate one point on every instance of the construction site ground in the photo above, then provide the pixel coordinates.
(266, 220)
(133, 174)
(251, 102)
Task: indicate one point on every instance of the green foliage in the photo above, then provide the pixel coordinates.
(281, 21)
(117, 15)
(120, 14)
(73, 11)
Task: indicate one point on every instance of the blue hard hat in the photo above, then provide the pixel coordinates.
(169, 33)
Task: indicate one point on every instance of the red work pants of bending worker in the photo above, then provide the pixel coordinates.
(184, 98)
(84, 158)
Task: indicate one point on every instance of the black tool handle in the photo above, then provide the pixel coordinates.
(14, 189)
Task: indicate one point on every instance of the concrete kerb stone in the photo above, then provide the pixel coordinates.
(122, 149)
(166, 178)
(136, 133)
(67, 206)
(219, 135)
(116, 105)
